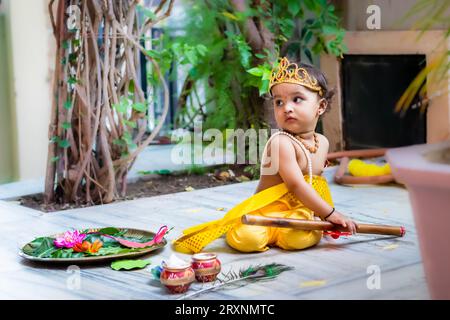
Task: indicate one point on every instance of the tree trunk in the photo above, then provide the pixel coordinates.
(259, 38)
(98, 102)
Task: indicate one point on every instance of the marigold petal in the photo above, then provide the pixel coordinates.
(95, 246)
(78, 248)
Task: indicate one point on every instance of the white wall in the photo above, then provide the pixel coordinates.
(391, 12)
(31, 52)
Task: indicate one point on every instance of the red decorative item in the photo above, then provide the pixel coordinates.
(336, 234)
(132, 244)
(177, 279)
(206, 266)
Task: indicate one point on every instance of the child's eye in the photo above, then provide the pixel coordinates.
(297, 100)
(278, 103)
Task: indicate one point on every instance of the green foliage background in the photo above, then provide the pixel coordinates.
(216, 53)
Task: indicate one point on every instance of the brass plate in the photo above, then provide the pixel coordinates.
(134, 233)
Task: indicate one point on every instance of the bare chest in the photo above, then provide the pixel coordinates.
(318, 160)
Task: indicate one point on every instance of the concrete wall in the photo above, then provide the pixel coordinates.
(7, 152)
(354, 14)
(30, 60)
(394, 37)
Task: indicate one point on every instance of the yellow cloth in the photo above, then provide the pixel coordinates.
(274, 201)
(359, 168)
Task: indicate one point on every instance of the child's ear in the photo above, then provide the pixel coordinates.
(323, 104)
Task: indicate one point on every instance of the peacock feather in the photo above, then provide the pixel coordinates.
(244, 276)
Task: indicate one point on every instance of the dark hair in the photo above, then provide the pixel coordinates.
(328, 93)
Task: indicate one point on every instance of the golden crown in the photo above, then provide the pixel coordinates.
(288, 72)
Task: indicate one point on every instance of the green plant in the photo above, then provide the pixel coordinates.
(197, 170)
(253, 170)
(428, 13)
(244, 36)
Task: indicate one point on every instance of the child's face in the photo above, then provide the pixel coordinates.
(296, 108)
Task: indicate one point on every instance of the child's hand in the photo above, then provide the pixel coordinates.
(339, 219)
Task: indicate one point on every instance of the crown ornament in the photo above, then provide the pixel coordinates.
(288, 72)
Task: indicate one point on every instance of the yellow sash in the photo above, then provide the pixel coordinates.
(194, 239)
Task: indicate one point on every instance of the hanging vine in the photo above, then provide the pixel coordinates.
(98, 119)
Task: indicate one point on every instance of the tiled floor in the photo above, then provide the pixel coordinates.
(358, 267)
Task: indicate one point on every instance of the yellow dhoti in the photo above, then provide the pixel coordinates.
(276, 201)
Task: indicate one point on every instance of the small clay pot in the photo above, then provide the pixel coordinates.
(206, 266)
(177, 279)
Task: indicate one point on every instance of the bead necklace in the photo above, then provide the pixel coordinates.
(308, 156)
(310, 149)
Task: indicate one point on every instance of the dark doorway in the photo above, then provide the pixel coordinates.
(372, 84)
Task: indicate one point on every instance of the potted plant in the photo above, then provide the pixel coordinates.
(425, 170)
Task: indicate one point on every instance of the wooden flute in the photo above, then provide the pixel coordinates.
(301, 224)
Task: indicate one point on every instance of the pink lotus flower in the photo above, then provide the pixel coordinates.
(69, 239)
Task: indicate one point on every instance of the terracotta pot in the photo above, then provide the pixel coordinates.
(177, 280)
(426, 175)
(206, 266)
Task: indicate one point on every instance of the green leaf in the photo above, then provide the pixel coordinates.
(258, 72)
(54, 159)
(310, 4)
(64, 144)
(131, 88)
(76, 42)
(266, 74)
(294, 7)
(65, 253)
(202, 50)
(330, 30)
(264, 87)
(112, 250)
(164, 172)
(139, 106)
(38, 246)
(193, 72)
(129, 264)
(73, 57)
(244, 51)
(230, 16)
(72, 80)
(68, 105)
(145, 172)
(308, 36)
(122, 106)
(67, 125)
(119, 142)
(308, 54)
(317, 48)
(130, 124)
(147, 12)
(154, 54)
(109, 231)
(191, 56)
(65, 44)
(127, 137)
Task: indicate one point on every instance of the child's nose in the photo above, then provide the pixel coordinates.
(288, 107)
